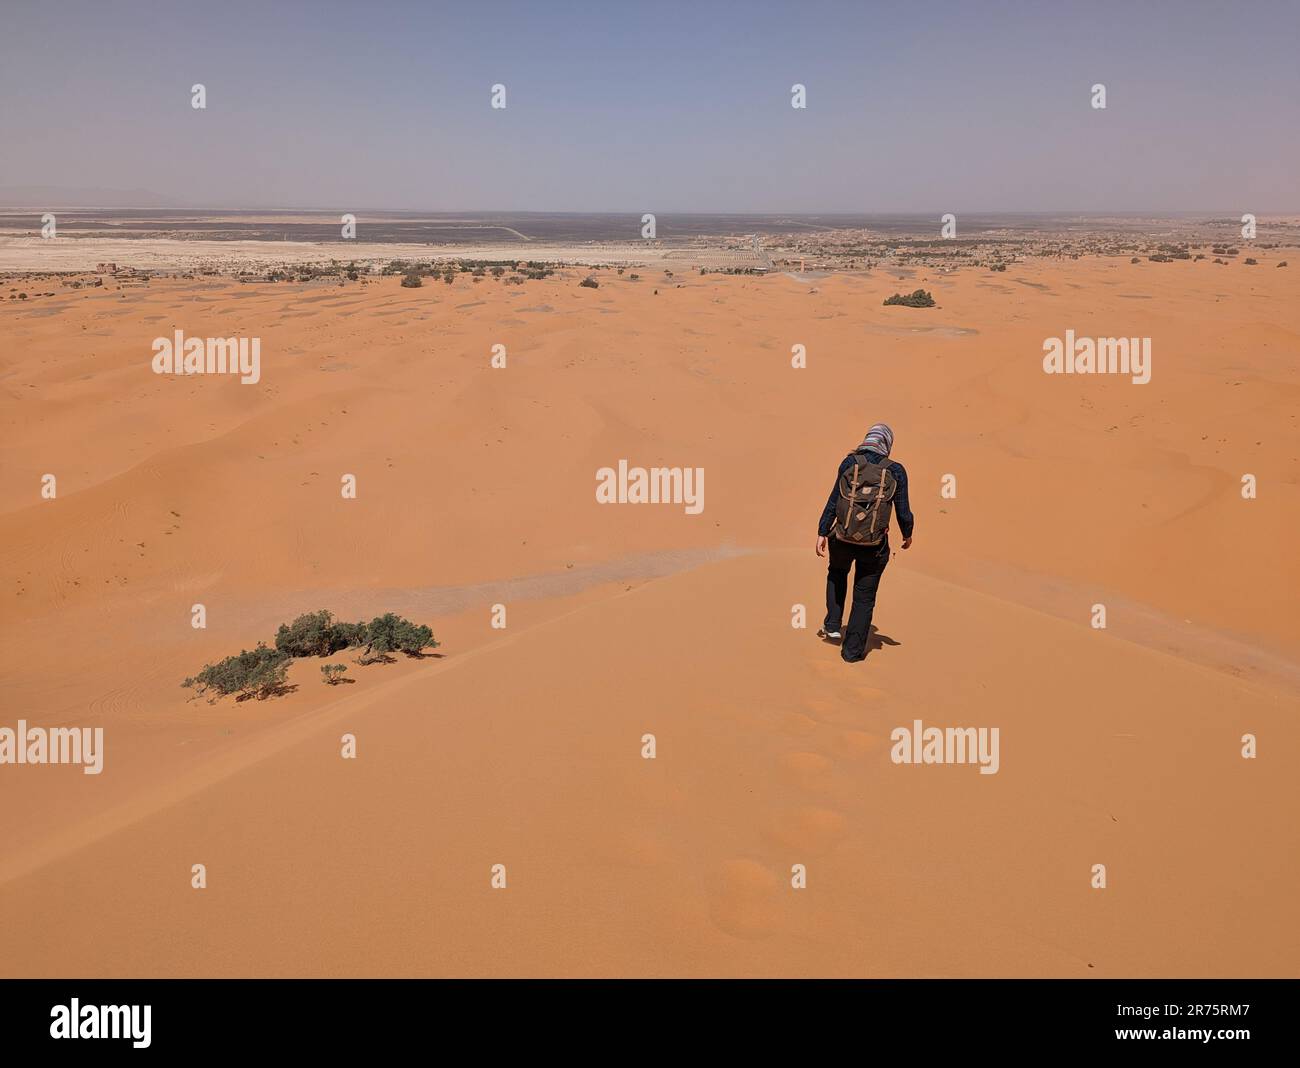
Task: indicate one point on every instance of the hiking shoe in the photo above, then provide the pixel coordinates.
(829, 634)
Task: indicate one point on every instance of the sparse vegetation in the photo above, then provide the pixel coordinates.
(917, 299)
(589, 283)
(332, 674)
(412, 281)
(263, 672)
(260, 673)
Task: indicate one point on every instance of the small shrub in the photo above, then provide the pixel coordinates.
(589, 283)
(332, 674)
(412, 281)
(1251, 262)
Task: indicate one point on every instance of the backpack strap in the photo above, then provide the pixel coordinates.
(875, 510)
(853, 492)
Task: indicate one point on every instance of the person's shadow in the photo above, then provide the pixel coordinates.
(878, 640)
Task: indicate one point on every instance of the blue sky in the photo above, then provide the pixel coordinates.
(659, 107)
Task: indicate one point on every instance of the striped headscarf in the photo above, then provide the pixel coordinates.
(879, 439)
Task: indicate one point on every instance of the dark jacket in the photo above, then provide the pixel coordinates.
(901, 508)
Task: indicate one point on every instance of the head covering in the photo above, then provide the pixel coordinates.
(879, 439)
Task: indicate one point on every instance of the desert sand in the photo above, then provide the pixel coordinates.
(522, 747)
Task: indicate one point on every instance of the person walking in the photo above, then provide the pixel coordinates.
(854, 527)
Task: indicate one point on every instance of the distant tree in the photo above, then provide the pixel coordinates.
(412, 281)
(332, 674)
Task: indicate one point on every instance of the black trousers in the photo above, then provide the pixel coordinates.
(869, 563)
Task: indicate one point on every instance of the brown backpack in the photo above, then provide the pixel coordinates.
(866, 500)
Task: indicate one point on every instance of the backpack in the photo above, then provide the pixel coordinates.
(866, 500)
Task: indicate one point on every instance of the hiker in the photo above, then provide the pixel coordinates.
(855, 523)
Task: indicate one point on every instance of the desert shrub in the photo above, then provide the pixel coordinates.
(259, 672)
(412, 281)
(390, 633)
(308, 635)
(449, 276)
(589, 283)
(318, 634)
(1251, 261)
(347, 635)
(917, 299)
(1282, 263)
(497, 272)
(332, 674)
(1135, 260)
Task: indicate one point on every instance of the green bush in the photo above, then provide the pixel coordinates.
(259, 673)
(263, 672)
(390, 633)
(412, 281)
(918, 299)
(317, 634)
(308, 635)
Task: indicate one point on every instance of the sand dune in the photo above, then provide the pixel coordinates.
(522, 747)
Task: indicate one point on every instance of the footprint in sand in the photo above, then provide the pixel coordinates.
(808, 830)
(745, 899)
(860, 743)
(843, 711)
(798, 724)
(808, 771)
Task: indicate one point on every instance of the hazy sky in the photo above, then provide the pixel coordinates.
(662, 106)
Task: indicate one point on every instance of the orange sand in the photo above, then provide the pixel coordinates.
(522, 747)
